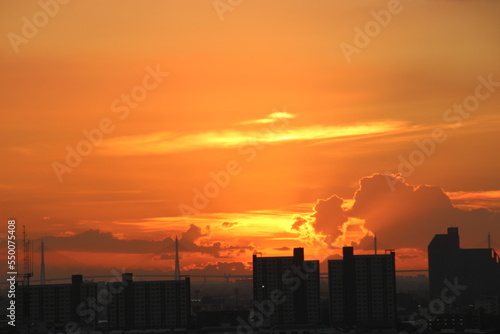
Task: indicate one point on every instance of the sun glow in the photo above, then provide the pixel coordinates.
(167, 142)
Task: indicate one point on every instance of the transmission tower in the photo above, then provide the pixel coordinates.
(27, 259)
(26, 274)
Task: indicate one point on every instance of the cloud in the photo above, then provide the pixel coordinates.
(306, 233)
(329, 225)
(329, 216)
(220, 268)
(228, 224)
(65, 234)
(217, 268)
(94, 240)
(298, 222)
(476, 199)
(169, 142)
(277, 115)
(167, 256)
(409, 216)
(193, 240)
(283, 248)
(400, 214)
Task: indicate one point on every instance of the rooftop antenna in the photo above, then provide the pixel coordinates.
(177, 272)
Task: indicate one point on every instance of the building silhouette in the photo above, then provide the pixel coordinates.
(49, 306)
(476, 271)
(286, 290)
(149, 304)
(363, 290)
(122, 305)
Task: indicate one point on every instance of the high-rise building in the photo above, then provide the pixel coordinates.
(125, 305)
(149, 304)
(461, 274)
(286, 289)
(49, 306)
(363, 290)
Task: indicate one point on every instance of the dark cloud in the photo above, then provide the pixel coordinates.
(407, 216)
(104, 242)
(166, 256)
(402, 215)
(228, 224)
(94, 240)
(298, 222)
(234, 268)
(329, 216)
(366, 243)
(219, 268)
(283, 249)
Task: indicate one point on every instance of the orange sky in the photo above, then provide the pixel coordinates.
(262, 113)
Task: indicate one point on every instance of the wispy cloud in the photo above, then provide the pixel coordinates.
(169, 142)
(476, 199)
(271, 118)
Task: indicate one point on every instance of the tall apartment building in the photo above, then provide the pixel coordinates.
(149, 304)
(475, 271)
(125, 305)
(286, 289)
(55, 305)
(363, 289)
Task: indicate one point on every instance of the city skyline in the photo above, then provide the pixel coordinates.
(361, 293)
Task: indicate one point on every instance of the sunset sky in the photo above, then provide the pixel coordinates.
(258, 126)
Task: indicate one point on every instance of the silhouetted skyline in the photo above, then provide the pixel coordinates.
(361, 293)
